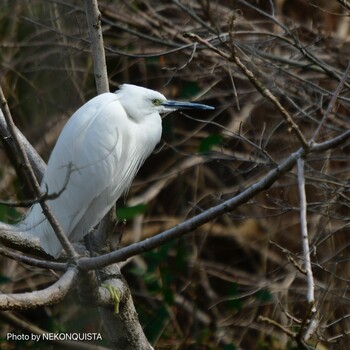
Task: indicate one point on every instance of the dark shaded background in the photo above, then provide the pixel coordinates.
(207, 290)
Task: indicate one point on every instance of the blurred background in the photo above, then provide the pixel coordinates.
(209, 289)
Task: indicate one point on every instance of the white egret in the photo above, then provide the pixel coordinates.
(95, 159)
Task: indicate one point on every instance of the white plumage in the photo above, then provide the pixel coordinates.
(95, 159)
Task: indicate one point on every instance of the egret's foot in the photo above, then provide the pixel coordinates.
(115, 296)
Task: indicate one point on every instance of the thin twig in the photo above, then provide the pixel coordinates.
(345, 3)
(330, 70)
(264, 91)
(277, 325)
(45, 264)
(332, 102)
(44, 196)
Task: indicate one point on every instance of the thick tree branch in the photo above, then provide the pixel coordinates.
(123, 328)
(13, 238)
(49, 296)
(125, 324)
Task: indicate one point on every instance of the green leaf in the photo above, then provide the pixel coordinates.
(209, 142)
(229, 347)
(263, 295)
(8, 214)
(189, 90)
(127, 213)
(234, 300)
(4, 279)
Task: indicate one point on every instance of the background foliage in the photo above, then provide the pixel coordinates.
(210, 289)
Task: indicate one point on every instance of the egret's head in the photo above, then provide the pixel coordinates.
(140, 102)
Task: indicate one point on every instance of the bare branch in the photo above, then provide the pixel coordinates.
(311, 310)
(35, 160)
(93, 16)
(32, 261)
(14, 238)
(345, 3)
(126, 321)
(191, 224)
(210, 214)
(276, 324)
(300, 57)
(44, 196)
(49, 296)
(332, 102)
(304, 232)
(263, 90)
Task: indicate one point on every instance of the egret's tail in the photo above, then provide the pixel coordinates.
(36, 224)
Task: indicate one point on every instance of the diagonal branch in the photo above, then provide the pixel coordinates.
(33, 180)
(35, 160)
(212, 213)
(193, 223)
(345, 3)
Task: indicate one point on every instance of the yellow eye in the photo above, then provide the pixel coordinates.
(156, 102)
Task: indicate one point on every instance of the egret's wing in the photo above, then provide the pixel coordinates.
(86, 156)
